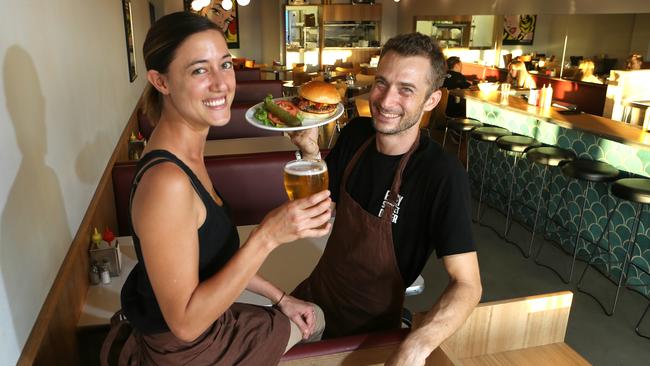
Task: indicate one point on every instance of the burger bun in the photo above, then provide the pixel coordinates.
(320, 92)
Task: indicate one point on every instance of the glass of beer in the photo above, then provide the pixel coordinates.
(302, 178)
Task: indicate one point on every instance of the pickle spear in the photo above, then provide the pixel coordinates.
(276, 110)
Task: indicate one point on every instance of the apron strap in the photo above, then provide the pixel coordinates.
(118, 320)
(392, 199)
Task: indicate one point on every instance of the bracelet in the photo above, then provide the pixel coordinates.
(280, 299)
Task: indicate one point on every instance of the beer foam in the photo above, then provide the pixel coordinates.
(305, 167)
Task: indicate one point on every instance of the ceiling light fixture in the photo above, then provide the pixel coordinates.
(226, 4)
(243, 2)
(197, 5)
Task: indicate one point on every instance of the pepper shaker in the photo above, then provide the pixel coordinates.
(94, 274)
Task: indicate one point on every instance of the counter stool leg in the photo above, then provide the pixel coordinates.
(632, 240)
(559, 206)
(593, 256)
(480, 196)
(539, 200)
(578, 234)
(512, 186)
(628, 255)
(638, 324)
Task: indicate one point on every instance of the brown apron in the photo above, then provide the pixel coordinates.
(357, 281)
(244, 335)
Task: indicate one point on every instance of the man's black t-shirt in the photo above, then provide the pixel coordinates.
(433, 213)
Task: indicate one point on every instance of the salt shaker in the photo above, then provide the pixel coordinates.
(105, 274)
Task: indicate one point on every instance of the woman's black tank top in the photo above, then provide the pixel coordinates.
(218, 242)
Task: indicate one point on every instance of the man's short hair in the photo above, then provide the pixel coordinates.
(417, 44)
(452, 61)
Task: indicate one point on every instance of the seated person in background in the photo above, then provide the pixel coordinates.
(586, 72)
(180, 295)
(519, 77)
(399, 197)
(455, 80)
(634, 62)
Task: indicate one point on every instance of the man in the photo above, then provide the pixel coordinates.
(455, 80)
(399, 197)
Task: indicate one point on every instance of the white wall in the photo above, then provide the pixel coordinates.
(65, 96)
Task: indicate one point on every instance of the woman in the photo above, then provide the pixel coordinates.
(586, 72)
(519, 77)
(180, 296)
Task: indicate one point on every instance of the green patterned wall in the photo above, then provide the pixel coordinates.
(630, 160)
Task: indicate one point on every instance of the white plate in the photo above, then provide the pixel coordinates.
(306, 122)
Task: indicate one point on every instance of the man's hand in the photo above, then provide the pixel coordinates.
(300, 312)
(306, 141)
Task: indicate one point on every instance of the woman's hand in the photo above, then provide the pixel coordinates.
(301, 218)
(300, 312)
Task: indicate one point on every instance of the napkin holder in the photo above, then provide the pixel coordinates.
(110, 254)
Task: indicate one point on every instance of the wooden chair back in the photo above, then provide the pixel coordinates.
(363, 79)
(438, 115)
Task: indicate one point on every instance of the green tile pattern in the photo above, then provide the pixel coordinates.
(630, 160)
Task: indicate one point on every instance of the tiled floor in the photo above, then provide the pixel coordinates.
(505, 273)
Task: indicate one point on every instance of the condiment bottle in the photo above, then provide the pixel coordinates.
(549, 96)
(96, 239)
(542, 97)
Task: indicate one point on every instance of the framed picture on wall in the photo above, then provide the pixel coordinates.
(226, 19)
(519, 29)
(130, 43)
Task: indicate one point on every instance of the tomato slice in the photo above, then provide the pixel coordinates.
(287, 106)
(274, 119)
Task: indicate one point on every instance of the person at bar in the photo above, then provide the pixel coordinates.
(455, 80)
(399, 197)
(586, 72)
(180, 296)
(634, 62)
(519, 77)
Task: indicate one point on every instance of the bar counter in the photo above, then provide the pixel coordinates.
(590, 137)
(624, 146)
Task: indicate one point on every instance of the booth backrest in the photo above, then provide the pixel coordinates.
(254, 91)
(236, 128)
(251, 184)
(248, 74)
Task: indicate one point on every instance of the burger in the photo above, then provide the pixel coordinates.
(317, 99)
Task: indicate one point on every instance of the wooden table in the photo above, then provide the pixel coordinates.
(277, 70)
(248, 145)
(527, 331)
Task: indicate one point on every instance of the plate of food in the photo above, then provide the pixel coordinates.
(317, 103)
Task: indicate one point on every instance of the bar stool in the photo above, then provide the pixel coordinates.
(635, 190)
(486, 134)
(516, 144)
(592, 172)
(460, 126)
(548, 156)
